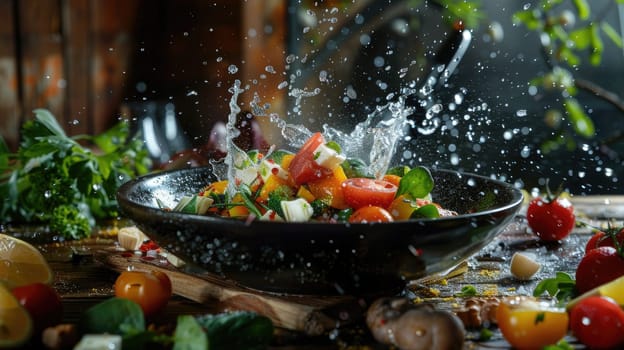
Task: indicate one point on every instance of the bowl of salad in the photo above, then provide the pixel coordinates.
(315, 222)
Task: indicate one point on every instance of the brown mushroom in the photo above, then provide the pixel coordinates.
(398, 322)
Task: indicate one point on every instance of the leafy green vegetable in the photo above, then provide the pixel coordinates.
(113, 315)
(237, 330)
(354, 167)
(429, 211)
(399, 170)
(417, 183)
(281, 193)
(189, 334)
(71, 221)
(52, 172)
(562, 287)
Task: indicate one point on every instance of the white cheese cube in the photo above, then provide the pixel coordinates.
(327, 157)
(297, 210)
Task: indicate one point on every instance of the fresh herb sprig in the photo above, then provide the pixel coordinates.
(55, 179)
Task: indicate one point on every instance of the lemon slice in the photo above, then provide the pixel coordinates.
(21, 263)
(613, 290)
(15, 322)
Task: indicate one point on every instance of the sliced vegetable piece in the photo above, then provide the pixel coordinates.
(330, 190)
(303, 168)
(360, 192)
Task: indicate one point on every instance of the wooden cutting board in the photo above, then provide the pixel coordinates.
(312, 315)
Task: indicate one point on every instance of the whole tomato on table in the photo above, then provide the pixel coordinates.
(150, 289)
(598, 322)
(42, 302)
(551, 219)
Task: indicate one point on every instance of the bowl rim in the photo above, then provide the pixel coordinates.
(127, 204)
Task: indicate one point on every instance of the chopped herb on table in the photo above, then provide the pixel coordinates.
(54, 179)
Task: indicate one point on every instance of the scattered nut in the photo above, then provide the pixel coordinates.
(59, 337)
(524, 266)
(397, 322)
(478, 312)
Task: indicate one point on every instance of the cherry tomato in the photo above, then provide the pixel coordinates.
(551, 220)
(598, 322)
(528, 323)
(42, 302)
(151, 290)
(303, 168)
(360, 192)
(599, 266)
(370, 214)
(601, 239)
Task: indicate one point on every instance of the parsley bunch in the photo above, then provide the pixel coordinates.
(53, 179)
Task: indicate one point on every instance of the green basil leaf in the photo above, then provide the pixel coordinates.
(354, 167)
(417, 183)
(115, 316)
(237, 330)
(334, 145)
(428, 211)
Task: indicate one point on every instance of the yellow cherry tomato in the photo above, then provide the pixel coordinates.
(528, 323)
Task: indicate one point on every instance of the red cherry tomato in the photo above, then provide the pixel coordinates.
(601, 239)
(370, 214)
(42, 302)
(360, 192)
(599, 266)
(551, 221)
(151, 290)
(598, 322)
(303, 168)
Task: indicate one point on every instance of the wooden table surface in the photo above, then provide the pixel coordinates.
(84, 280)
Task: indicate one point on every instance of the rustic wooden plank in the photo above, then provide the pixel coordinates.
(9, 96)
(312, 315)
(77, 60)
(43, 79)
(112, 24)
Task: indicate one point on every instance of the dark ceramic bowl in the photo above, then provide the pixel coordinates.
(322, 258)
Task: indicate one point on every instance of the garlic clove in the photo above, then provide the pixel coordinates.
(131, 238)
(524, 266)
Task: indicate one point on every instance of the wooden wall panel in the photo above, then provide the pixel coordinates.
(43, 78)
(113, 26)
(78, 43)
(9, 96)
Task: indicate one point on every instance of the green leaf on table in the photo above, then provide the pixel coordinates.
(562, 287)
(240, 330)
(115, 316)
(417, 183)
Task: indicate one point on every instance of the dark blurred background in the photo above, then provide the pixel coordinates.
(93, 62)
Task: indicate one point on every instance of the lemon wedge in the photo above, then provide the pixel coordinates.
(21, 263)
(613, 290)
(15, 322)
